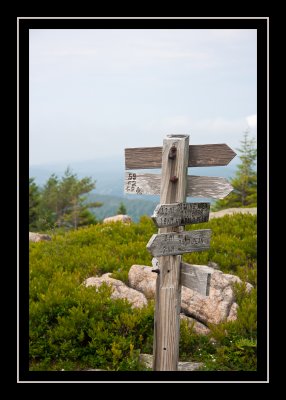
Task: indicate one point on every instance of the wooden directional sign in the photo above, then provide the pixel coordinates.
(167, 244)
(196, 277)
(177, 214)
(206, 155)
(197, 186)
(174, 186)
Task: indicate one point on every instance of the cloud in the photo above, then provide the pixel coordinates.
(201, 131)
(252, 121)
(71, 52)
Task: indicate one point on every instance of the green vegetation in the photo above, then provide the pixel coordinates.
(121, 209)
(34, 202)
(245, 180)
(61, 202)
(73, 327)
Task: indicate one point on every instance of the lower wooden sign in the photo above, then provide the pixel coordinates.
(168, 244)
(196, 277)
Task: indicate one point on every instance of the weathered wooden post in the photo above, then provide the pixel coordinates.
(171, 215)
(175, 157)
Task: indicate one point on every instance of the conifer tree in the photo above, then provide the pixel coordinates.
(245, 180)
(64, 202)
(34, 201)
(121, 209)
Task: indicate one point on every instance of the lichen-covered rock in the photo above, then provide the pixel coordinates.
(231, 211)
(38, 237)
(125, 219)
(232, 316)
(216, 307)
(147, 360)
(219, 306)
(141, 278)
(119, 290)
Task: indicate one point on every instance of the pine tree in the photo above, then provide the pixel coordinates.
(34, 201)
(245, 179)
(49, 207)
(63, 201)
(121, 209)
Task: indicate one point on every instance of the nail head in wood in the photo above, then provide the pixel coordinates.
(172, 152)
(174, 179)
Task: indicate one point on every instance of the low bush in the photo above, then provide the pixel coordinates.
(74, 327)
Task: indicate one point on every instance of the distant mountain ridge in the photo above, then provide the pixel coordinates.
(109, 174)
(135, 207)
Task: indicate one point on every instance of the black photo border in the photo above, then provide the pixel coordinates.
(24, 25)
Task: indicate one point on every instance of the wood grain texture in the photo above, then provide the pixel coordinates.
(172, 243)
(208, 186)
(197, 186)
(168, 288)
(177, 214)
(196, 277)
(206, 155)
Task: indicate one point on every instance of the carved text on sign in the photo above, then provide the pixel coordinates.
(165, 244)
(180, 214)
(131, 186)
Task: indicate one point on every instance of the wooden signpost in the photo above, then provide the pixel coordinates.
(170, 216)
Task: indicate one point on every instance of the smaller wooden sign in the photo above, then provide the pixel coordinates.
(167, 244)
(177, 214)
(196, 277)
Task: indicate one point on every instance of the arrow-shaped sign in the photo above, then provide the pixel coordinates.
(197, 186)
(196, 277)
(205, 155)
(180, 214)
(167, 244)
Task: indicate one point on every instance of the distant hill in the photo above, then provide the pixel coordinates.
(135, 207)
(109, 176)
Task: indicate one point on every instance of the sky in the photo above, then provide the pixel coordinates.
(95, 92)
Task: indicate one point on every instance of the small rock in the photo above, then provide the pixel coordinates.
(213, 265)
(119, 290)
(231, 211)
(94, 370)
(189, 366)
(38, 237)
(147, 360)
(125, 219)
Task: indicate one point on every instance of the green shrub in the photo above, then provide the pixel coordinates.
(75, 327)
